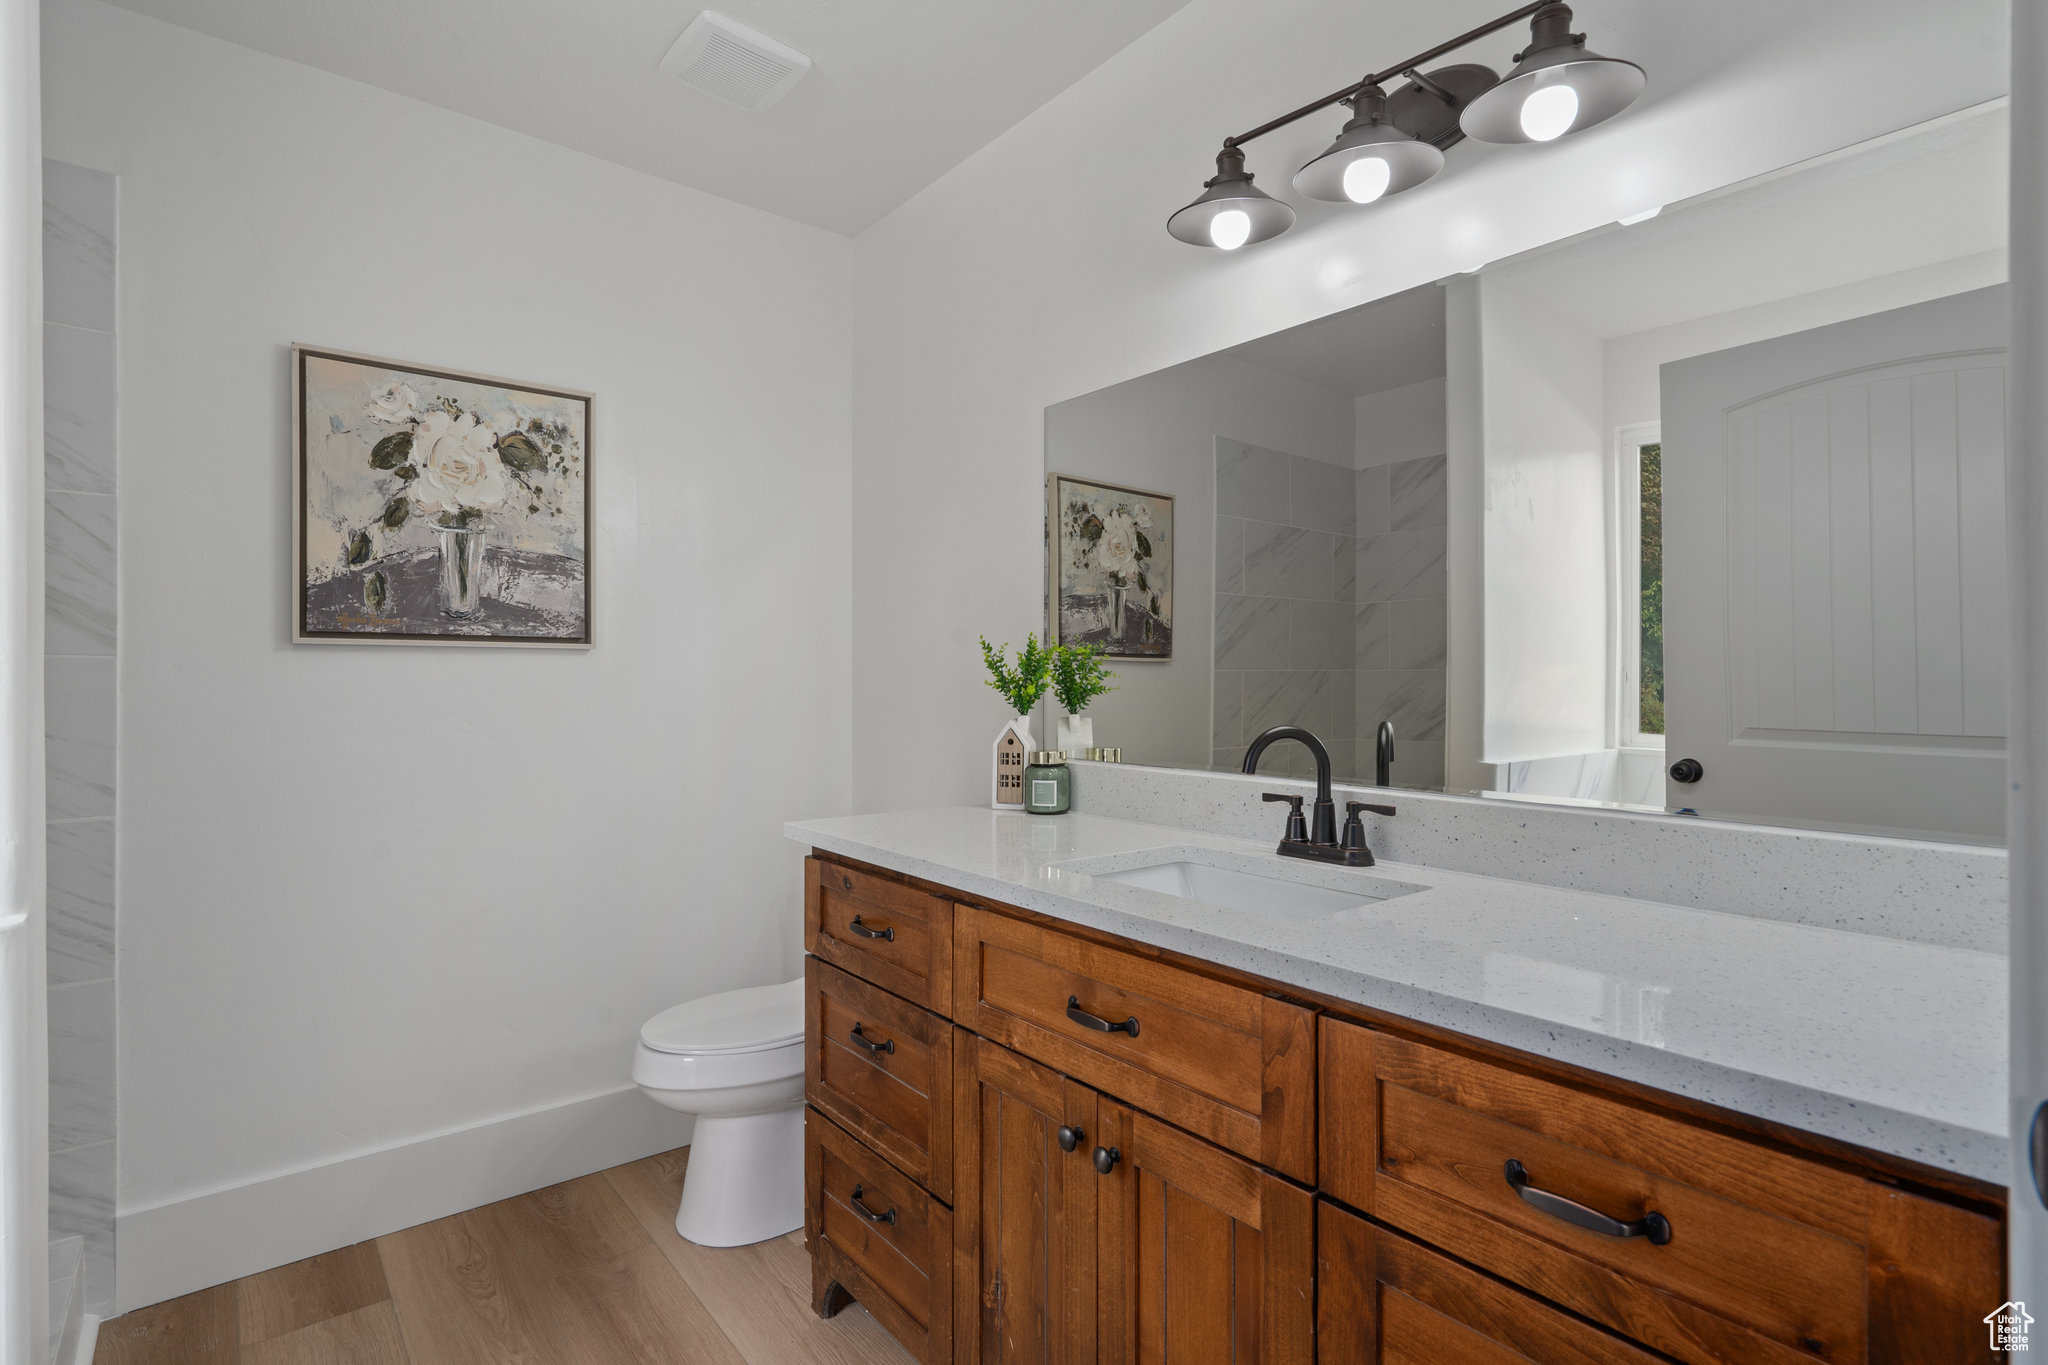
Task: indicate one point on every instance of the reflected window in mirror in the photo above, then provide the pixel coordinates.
(1639, 610)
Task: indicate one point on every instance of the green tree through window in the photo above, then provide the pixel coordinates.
(1650, 713)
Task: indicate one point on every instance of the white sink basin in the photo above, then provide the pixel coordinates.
(1257, 894)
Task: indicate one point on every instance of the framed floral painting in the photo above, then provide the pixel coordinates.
(1111, 555)
(437, 507)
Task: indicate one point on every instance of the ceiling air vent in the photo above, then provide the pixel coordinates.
(731, 62)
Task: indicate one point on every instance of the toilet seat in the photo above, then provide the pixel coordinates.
(735, 1038)
(754, 1019)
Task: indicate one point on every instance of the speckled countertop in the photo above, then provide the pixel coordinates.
(1890, 1045)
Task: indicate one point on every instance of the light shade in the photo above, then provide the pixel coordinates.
(1557, 87)
(1231, 211)
(1370, 159)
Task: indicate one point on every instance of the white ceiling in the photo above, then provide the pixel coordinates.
(901, 90)
(1386, 344)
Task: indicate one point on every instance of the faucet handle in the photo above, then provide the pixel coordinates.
(1297, 826)
(1354, 807)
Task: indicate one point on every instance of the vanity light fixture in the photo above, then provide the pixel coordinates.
(1556, 87)
(1396, 142)
(1370, 159)
(1232, 211)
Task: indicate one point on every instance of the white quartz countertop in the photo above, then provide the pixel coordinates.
(1895, 1046)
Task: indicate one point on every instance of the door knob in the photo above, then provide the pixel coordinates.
(1069, 1137)
(1687, 770)
(1106, 1159)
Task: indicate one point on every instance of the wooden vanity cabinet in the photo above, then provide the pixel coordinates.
(1089, 1231)
(876, 1237)
(1202, 1256)
(881, 929)
(1025, 1256)
(1035, 1144)
(1387, 1300)
(1717, 1247)
(1224, 1060)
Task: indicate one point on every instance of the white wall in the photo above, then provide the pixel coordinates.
(980, 303)
(369, 894)
(1544, 490)
(1399, 424)
(1632, 362)
(1158, 433)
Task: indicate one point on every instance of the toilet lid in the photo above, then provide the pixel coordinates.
(750, 1020)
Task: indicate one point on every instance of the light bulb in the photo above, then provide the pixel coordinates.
(1230, 229)
(1549, 113)
(1366, 179)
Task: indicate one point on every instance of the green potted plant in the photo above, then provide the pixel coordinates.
(1078, 677)
(1021, 687)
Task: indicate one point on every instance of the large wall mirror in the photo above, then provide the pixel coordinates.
(1698, 513)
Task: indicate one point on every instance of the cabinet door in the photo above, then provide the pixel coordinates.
(1389, 1301)
(1202, 1256)
(1025, 1271)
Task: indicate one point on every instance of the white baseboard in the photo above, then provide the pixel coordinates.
(206, 1239)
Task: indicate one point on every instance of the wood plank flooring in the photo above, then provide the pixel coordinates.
(587, 1271)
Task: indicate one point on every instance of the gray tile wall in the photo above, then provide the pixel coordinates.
(80, 640)
(1286, 557)
(1402, 617)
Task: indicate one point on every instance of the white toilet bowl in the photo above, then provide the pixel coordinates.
(736, 1061)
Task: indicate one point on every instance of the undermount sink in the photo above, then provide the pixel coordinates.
(1257, 894)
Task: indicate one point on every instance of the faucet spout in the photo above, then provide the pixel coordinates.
(1323, 831)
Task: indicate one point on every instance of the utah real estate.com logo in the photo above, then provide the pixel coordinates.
(2008, 1323)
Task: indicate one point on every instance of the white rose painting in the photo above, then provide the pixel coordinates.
(1111, 556)
(435, 506)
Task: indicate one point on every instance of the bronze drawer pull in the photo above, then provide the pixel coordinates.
(1654, 1226)
(886, 935)
(1106, 1159)
(864, 1211)
(874, 1048)
(1070, 1136)
(1096, 1022)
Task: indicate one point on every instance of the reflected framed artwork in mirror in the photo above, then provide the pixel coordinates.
(1702, 512)
(1111, 555)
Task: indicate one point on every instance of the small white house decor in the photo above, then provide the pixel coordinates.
(1021, 687)
(1013, 746)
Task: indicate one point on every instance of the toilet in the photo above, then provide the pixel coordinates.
(736, 1061)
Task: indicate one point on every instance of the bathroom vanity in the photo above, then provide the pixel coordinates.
(1087, 1089)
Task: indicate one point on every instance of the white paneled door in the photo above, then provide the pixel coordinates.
(1835, 572)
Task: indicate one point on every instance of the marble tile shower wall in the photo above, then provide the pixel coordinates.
(79, 662)
(1402, 617)
(1286, 555)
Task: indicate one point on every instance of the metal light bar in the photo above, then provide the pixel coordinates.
(1381, 77)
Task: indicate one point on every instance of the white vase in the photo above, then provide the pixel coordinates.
(1077, 735)
(1008, 759)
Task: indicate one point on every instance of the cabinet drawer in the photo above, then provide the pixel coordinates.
(1384, 1300)
(1763, 1255)
(881, 930)
(1220, 1060)
(878, 1237)
(883, 1069)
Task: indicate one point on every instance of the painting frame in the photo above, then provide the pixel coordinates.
(303, 632)
(1062, 622)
